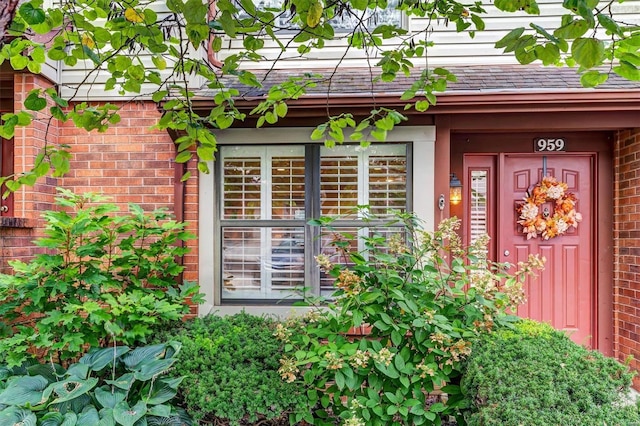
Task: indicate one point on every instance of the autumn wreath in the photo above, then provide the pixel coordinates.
(545, 223)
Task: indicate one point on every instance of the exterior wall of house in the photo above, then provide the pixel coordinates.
(129, 163)
(450, 48)
(627, 248)
(132, 163)
(17, 232)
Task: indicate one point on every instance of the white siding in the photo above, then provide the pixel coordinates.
(451, 48)
(85, 83)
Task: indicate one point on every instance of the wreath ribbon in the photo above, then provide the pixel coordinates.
(544, 223)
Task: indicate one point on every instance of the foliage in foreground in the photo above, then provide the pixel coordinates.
(230, 365)
(425, 299)
(108, 386)
(104, 277)
(535, 375)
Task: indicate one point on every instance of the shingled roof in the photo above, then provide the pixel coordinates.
(471, 79)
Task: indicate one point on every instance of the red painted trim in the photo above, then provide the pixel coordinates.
(467, 102)
(600, 143)
(6, 168)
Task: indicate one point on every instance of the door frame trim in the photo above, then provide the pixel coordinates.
(599, 145)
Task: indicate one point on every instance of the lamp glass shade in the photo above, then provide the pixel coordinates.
(455, 190)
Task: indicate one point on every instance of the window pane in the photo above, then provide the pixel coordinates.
(335, 245)
(242, 188)
(338, 185)
(387, 184)
(338, 243)
(478, 203)
(261, 182)
(287, 193)
(262, 263)
(352, 175)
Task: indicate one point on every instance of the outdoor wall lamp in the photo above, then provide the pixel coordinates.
(455, 190)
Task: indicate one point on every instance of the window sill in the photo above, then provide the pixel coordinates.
(16, 222)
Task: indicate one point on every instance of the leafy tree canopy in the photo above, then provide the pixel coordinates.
(114, 35)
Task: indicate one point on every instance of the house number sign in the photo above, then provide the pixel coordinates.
(549, 144)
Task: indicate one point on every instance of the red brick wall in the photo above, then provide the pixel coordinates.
(627, 247)
(17, 233)
(130, 163)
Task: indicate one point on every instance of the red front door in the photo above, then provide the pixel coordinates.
(563, 293)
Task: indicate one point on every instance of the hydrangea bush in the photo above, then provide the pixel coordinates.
(423, 299)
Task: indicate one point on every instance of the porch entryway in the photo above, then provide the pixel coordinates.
(565, 294)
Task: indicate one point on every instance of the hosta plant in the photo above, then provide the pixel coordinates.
(424, 300)
(107, 387)
(104, 276)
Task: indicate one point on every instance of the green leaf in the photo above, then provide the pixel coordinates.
(91, 55)
(628, 71)
(24, 390)
(588, 52)
(159, 95)
(16, 416)
(149, 369)
(38, 55)
(57, 54)
(126, 415)
(72, 388)
(163, 390)
(159, 62)
(593, 78)
(88, 417)
(609, 24)
(123, 382)
(34, 102)
(281, 109)
(195, 11)
(183, 157)
(510, 38)
(572, 30)
(19, 62)
(31, 14)
(108, 397)
(98, 359)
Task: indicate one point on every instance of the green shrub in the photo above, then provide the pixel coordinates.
(534, 375)
(230, 366)
(110, 386)
(105, 277)
(425, 299)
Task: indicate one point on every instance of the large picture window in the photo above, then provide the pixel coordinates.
(267, 195)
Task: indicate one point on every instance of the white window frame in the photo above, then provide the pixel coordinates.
(422, 139)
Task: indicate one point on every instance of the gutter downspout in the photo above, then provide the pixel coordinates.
(179, 193)
(212, 57)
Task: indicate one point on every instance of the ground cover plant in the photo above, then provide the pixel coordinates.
(104, 276)
(107, 387)
(425, 299)
(535, 375)
(230, 365)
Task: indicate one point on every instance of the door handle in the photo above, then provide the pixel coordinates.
(506, 253)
